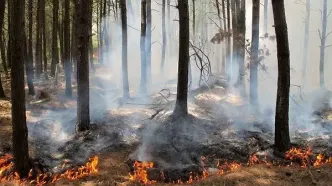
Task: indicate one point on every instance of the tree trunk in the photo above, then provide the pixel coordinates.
(3, 54)
(67, 63)
(38, 41)
(100, 50)
(20, 130)
(182, 86)
(169, 27)
(266, 17)
(74, 38)
(282, 139)
(29, 61)
(254, 53)
(55, 49)
(322, 46)
(163, 53)
(235, 38)
(90, 38)
(2, 13)
(228, 48)
(83, 23)
(10, 30)
(125, 83)
(306, 43)
(148, 42)
(44, 39)
(143, 86)
(241, 45)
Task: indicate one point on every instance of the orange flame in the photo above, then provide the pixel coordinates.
(6, 174)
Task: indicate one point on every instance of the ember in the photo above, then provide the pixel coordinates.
(7, 174)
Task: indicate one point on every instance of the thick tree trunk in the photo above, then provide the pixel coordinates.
(2, 13)
(163, 53)
(55, 49)
(254, 53)
(181, 107)
(20, 130)
(83, 23)
(67, 63)
(38, 41)
(266, 16)
(322, 46)
(125, 83)
(148, 42)
(143, 86)
(306, 43)
(282, 139)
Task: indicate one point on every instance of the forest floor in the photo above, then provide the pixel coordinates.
(113, 169)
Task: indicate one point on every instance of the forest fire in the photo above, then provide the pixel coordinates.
(7, 174)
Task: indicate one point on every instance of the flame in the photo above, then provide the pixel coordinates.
(299, 154)
(227, 167)
(6, 173)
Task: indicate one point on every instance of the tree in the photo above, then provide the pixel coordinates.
(66, 38)
(2, 13)
(38, 49)
(241, 40)
(125, 83)
(55, 49)
(323, 36)
(266, 11)
(282, 139)
(143, 86)
(20, 130)
(182, 85)
(29, 65)
(306, 42)
(83, 27)
(148, 41)
(254, 53)
(44, 38)
(163, 53)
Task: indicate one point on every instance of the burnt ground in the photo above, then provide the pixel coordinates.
(221, 127)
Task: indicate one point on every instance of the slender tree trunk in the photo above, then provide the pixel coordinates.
(235, 38)
(74, 38)
(163, 53)
(241, 46)
(106, 49)
(44, 39)
(30, 73)
(266, 15)
(254, 53)
(228, 48)
(3, 54)
(60, 32)
(83, 23)
(225, 44)
(322, 46)
(169, 27)
(194, 19)
(10, 30)
(2, 13)
(181, 107)
(148, 42)
(306, 43)
(125, 83)
(143, 86)
(67, 63)
(20, 130)
(90, 38)
(101, 32)
(282, 139)
(38, 41)
(31, 89)
(55, 49)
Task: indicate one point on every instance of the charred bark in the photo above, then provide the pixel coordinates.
(163, 53)
(83, 23)
(143, 85)
(3, 54)
(20, 130)
(181, 107)
(44, 39)
(125, 83)
(254, 53)
(2, 13)
(39, 41)
(67, 63)
(282, 139)
(148, 42)
(55, 49)
(322, 46)
(241, 45)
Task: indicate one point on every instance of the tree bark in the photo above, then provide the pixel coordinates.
(143, 85)
(20, 130)
(266, 16)
(83, 23)
(3, 54)
(125, 83)
(10, 30)
(55, 49)
(306, 43)
(74, 38)
(90, 38)
(44, 39)
(67, 63)
(163, 53)
(241, 45)
(228, 48)
(322, 46)
(148, 42)
(2, 13)
(181, 107)
(282, 139)
(254, 53)
(38, 41)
